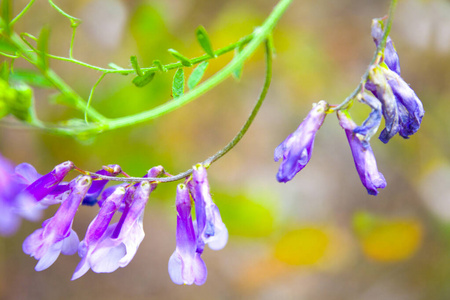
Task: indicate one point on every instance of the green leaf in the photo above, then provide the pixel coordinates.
(116, 67)
(183, 59)
(203, 40)
(178, 84)
(145, 79)
(31, 77)
(197, 75)
(159, 65)
(42, 46)
(135, 65)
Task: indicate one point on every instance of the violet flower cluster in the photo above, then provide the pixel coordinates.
(107, 246)
(388, 96)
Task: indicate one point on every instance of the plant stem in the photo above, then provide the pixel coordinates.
(260, 34)
(228, 147)
(377, 53)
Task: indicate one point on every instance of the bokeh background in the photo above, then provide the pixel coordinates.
(319, 236)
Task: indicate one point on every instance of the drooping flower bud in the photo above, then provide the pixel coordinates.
(390, 54)
(363, 157)
(297, 148)
(186, 265)
(56, 234)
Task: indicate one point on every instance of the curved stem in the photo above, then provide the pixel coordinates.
(377, 54)
(260, 34)
(228, 147)
(24, 10)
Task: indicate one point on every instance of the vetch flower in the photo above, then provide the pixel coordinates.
(390, 54)
(363, 157)
(14, 207)
(378, 85)
(97, 230)
(47, 183)
(186, 265)
(56, 235)
(407, 99)
(98, 185)
(297, 148)
(121, 240)
(210, 228)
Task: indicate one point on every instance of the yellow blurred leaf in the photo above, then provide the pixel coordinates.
(388, 240)
(303, 246)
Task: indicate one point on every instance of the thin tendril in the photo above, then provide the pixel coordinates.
(90, 97)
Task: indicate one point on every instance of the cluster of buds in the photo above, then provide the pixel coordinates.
(386, 93)
(106, 247)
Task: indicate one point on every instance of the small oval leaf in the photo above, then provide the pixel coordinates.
(143, 80)
(197, 75)
(178, 84)
(203, 40)
(183, 59)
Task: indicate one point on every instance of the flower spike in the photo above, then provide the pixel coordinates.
(297, 148)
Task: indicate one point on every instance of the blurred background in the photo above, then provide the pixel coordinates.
(320, 236)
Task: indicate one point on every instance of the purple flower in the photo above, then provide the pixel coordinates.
(47, 183)
(390, 54)
(363, 157)
(296, 149)
(98, 185)
(56, 234)
(210, 228)
(12, 205)
(410, 107)
(97, 230)
(119, 243)
(186, 265)
(378, 85)
(371, 124)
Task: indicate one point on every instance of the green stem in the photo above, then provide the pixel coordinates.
(24, 10)
(229, 146)
(171, 66)
(90, 97)
(376, 55)
(59, 84)
(260, 34)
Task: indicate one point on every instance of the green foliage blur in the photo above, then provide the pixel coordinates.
(318, 237)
